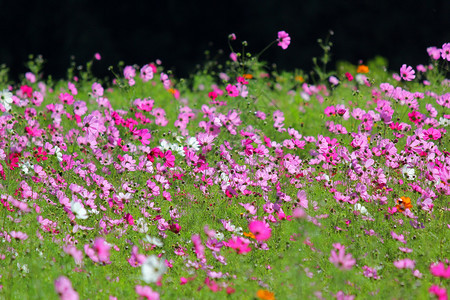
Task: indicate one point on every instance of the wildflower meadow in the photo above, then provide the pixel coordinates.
(239, 182)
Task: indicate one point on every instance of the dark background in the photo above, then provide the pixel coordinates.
(179, 32)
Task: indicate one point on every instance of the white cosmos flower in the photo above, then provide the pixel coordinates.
(78, 210)
(193, 143)
(58, 153)
(26, 166)
(6, 99)
(153, 268)
(219, 236)
(141, 225)
(361, 209)
(154, 241)
(408, 173)
(444, 122)
(178, 149)
(164, 146)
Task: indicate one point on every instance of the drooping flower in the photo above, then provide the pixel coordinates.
(283, 39)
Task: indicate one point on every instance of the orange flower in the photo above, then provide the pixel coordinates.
(265, 295)
(250, 235)
(299, 79)
(403, 203)
(362, 69)
(247, 76)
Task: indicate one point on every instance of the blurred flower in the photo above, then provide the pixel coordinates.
(153, 268)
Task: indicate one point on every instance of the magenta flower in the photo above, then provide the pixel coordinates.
(342, 261)
(439, 270)
(349, 76)
(232, 90)
(431, 134)
(283, 39)
(261, 230)
(239, 244)
(441, 293)
(407, 73)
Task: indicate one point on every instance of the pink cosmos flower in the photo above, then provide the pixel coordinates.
(146, 292)
(441, 293)
(232, 90)
(97, 56)
(283, 39)
(97, 89)
(434, 53)
(147, 73)
(261, 230)
(239, 244)
(445, 52)
(405, 264)
(349, 76)
(66, 98)
(439, 270)
(407, 73)
(342, 260)
(63, 287)
(431, 134)
(102, 249)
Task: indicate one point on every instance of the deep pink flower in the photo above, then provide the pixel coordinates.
(441, 293)
(66, 98)
(283, 39)
(431, 134)
(407, 73)
(261, 230)
(232, 90)
(439, 270)
(239, 244)
(349, 76)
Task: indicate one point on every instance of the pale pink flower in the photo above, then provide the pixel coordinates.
(146, 292)
(342, 260)
(405, 264)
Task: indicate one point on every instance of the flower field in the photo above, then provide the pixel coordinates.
(240, 182)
